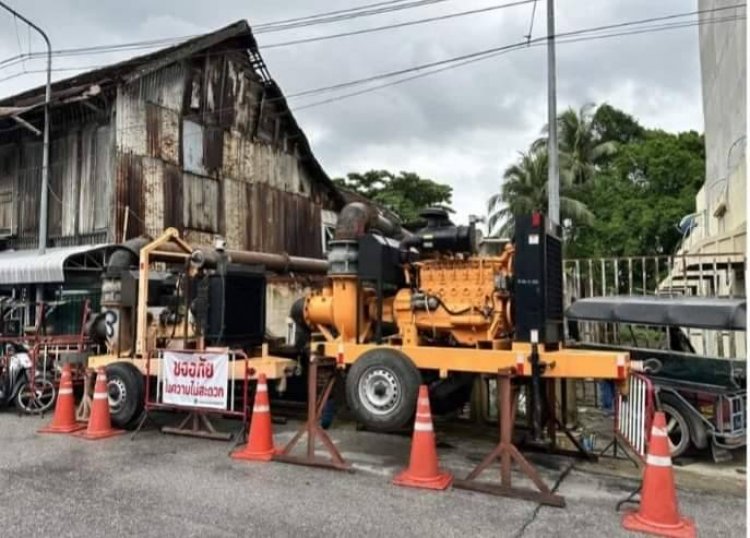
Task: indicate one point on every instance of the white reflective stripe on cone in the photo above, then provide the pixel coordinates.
(262, 387)
(101, 377)
(658, 461)
(65, 391)
(261, 409)
(100, 396)
(424, 415)
(423, 401)
(422, 427)
(658, 432)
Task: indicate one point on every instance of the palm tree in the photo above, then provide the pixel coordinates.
(580, 146)
(524, 190)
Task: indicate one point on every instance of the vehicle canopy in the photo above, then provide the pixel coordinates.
(678, 362)
(694, 312)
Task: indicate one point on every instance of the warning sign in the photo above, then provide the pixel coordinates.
(196, 379)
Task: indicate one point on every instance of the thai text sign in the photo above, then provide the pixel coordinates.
(196, 379)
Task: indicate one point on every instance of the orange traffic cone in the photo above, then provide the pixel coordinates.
(99, 426)
(64, 419)
(658, 513)
(423, 471)
(259, 445)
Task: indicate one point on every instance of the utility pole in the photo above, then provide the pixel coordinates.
(553, 172)
(44, 195)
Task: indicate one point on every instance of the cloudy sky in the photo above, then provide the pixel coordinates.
(460, 126)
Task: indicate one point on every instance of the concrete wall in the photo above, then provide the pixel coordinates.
(724, 83)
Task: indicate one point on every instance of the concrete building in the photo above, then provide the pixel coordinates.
(712, 257)
(196, 136)
(721, 208)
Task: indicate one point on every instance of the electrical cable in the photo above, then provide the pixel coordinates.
(158, 42)
(566, 37)
(397, 25)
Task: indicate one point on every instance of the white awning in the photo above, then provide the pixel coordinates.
(28, 267)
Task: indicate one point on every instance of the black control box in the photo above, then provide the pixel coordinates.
(538, 282)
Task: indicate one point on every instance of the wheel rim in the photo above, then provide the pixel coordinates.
(380, 391)
(38, 401)
(117, 394)
(677, 431)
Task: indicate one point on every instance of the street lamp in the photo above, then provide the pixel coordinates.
(43, 201)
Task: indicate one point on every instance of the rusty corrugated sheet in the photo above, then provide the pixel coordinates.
(201, 202)
(213, 149)
(129, 196)
(8, 173)
(29, 182)
(162, 133)
(282, 222)
(173, 199)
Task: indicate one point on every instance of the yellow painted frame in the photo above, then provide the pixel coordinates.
(565, 363)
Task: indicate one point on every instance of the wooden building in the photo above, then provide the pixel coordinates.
(196, 136)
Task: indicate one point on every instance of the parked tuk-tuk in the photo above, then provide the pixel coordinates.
(702, 394)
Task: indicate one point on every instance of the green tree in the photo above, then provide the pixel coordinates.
(641, 195)
(405, 193)
(581, 145)
(612, 124)
(524, 190)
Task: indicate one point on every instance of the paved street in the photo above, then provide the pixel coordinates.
(158, 485)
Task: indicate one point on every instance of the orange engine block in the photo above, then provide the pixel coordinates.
(467, 298)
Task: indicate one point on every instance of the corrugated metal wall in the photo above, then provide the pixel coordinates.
(191, 154)
(194, 145)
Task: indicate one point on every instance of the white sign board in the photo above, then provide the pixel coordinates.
(195, 379)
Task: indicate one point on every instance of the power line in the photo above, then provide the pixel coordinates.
(136, 45)
(514, 47)
(103, 49)
(397, 25)
(324, 19)
(570, 37)
(487, 52)
(531, 22)
(335, 12)
(444, 65)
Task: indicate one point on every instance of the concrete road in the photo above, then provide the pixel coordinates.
(159, 485)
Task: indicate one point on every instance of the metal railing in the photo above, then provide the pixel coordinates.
(715, 275)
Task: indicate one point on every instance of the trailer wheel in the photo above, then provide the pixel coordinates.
(678, 424)
(125, 390)
(381, 389)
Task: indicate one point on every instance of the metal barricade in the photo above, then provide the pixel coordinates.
(634, 413)
(196, 422)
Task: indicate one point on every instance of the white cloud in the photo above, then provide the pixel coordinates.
(462, 126)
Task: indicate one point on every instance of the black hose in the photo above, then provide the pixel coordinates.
(451, 312)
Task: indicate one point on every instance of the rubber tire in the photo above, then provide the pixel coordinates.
(408, 378)
(451, 394)
(671, 405)
(132, 379)
(46, 377)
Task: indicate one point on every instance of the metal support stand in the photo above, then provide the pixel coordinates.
(613, 444)
(197, 424)
(506, 452)
(312, 427)
(83, 411)
(145, 417)
(553, 425)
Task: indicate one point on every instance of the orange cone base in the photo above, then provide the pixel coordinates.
(440, 481)
(98, 435)
(62, 429)
(244, 454)
(684, 529)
